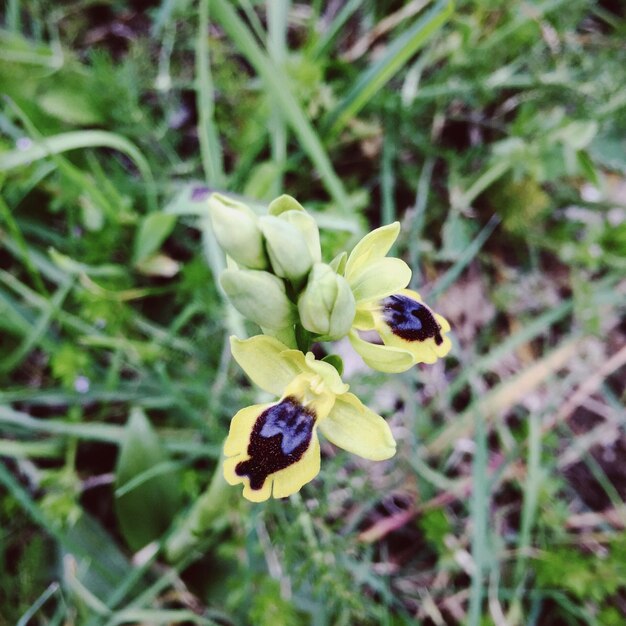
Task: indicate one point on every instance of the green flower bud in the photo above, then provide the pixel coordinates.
(237, 231)
(327, 306)
(284, 203)
(309, 230)
(286, 247)
(258, 296)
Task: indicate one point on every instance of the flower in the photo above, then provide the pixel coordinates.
(411, 331)
(273, 449)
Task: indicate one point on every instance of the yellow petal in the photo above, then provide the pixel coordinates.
(382, 358)
(363, 320)
(312, 393)
(293, 478)
(266, 361)
(374, 245)
(240, 430)
(270, 442)
(236, 450)
(379, 278)
(254, 495)
(356, 428)
(330, 376)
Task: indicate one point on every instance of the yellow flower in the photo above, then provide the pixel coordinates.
(273, 449)
(411, 331)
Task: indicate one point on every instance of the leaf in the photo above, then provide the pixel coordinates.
(153, 231)
(457, 234)
(89, 538)
(146, 510)
(373, 80)
(261, 181)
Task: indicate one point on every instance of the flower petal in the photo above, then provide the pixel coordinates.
(263, 361)
(382, 358)
(380, 278)
(240, 428)
(357, 429)
(235, 449)
(374, 245)
(293, 478)
(272, 445)
(363, 320)
(330, 376)
(404, 321)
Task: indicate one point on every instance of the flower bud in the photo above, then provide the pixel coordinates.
(258, 296)
(284, 203)
(309, 230)
(237, 231)
(286, 247)
(327, 306)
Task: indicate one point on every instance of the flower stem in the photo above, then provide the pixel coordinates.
(203, 518)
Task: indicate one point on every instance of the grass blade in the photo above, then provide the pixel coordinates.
(277, 83)
(277, 13)
(210, 148)
(81, 139)
(479, 511)
(372, 80)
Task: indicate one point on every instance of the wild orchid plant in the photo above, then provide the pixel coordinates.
(276, 278)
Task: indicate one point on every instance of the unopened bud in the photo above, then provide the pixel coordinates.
(327, 306)
(237, 231)
(286, 247)
(258, 296)
(284, 203)
(308, 229)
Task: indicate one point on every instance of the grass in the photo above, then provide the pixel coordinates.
(492, 130)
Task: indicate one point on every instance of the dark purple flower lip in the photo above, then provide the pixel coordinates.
(410, 320)
(281, 435)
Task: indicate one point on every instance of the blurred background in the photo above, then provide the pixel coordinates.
(494, 130)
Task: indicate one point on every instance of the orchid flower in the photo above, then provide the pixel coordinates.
(273, 448)
(411, 331)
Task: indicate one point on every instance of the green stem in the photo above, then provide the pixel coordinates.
(201, 519)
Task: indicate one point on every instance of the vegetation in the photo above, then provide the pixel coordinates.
(493, 130)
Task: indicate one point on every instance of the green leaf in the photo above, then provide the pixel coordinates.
(145, 511)
(336, 361)
(398, 53)
(587, 167)
(77, 140)
(457, 236)
(153, 231)
(277, 82)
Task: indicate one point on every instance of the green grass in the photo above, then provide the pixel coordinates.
(492, 130)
